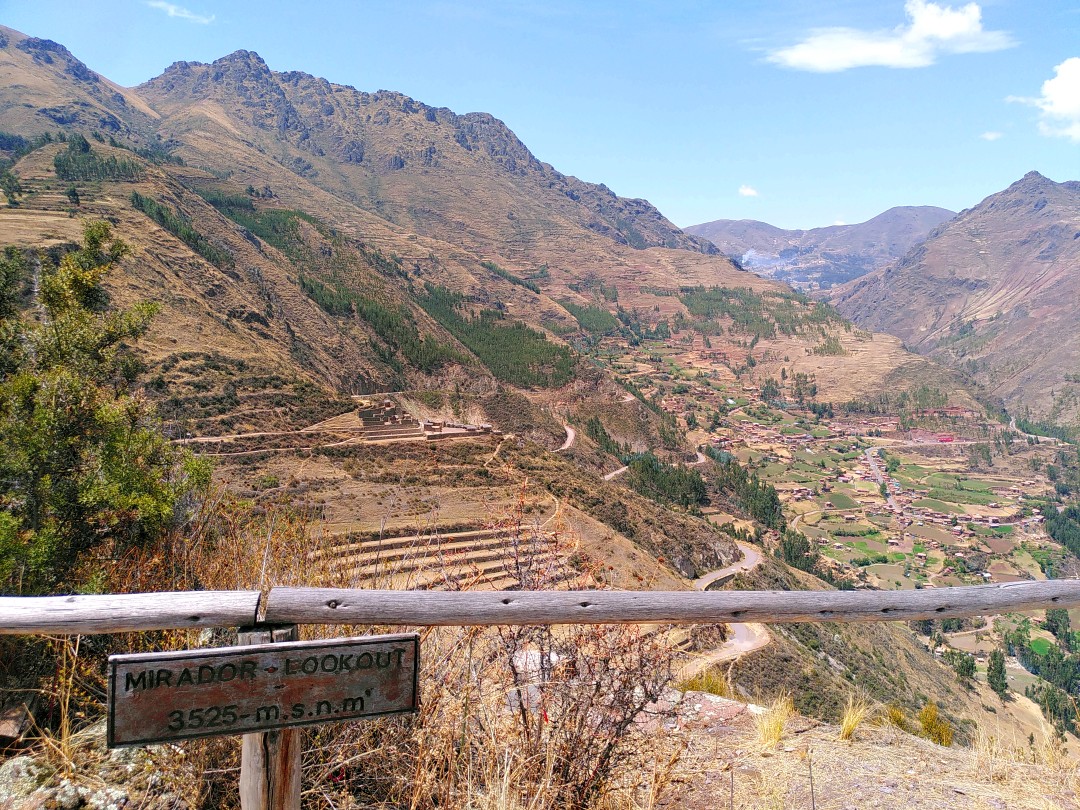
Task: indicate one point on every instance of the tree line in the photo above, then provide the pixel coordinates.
(394, 325)
(180, 226)
(1058, 666)
(512, 351)
(757, 498)
(79, 162)
(666, 483)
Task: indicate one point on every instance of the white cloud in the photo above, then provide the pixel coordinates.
(839, 222)
(992, 136)
(1059, 102)
(931, 30)
(747, 191)
(180, 12)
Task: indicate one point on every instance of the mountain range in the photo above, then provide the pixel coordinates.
(305, 241)
(320, 201)
(821, 258)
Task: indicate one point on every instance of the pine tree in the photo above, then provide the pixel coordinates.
(995, 674)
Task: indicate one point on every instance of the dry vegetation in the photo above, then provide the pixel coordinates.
(511, 717)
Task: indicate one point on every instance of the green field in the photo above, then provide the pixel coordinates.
(841, 501)
(995, 531)
(1041, 646)
(938, 506)
(963, 496)
(951, 481)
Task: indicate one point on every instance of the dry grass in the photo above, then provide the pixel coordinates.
(880, 767)
(770, 723)
(511, 718)
(988, 757)
(714, 681)
(855, 713)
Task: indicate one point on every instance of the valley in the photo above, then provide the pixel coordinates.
(321, 337)
(991, 293)
(823, 258)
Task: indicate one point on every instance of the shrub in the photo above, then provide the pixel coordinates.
(895, 716)
(934, 727)
(855, 712)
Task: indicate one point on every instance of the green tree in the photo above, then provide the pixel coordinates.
(963, 663)
(1058, 623)
(995, 674)
(796, 550)
(770, 390)
(81, 461)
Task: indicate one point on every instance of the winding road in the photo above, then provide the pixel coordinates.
(614, 473)
(750, 560)
(571, 436)
(744, 637)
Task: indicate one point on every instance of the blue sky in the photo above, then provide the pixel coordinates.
(796, 112)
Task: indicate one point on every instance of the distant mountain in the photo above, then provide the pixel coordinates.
(821, 258)
(995, 291)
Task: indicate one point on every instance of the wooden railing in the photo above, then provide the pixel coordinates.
(270, 769)
(163, 611)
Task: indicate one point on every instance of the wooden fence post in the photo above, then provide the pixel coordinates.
(270, 760)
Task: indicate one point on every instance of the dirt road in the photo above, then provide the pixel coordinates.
(571, 436)
(744, 637)
(879, 476)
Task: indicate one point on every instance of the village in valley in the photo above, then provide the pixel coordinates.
(929, 494)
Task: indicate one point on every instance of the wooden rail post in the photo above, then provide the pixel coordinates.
(270, 760)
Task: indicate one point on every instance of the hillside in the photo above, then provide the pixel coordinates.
(993, 292)
(318, 189)
(821, 258)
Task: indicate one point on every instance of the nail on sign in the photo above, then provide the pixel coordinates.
(159, 697)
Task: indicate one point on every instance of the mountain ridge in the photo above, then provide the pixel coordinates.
(453, 201)
(384, 142)
(824, 256)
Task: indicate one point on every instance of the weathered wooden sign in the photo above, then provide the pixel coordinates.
(160, 697)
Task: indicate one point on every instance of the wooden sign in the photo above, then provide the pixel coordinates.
(161, 697)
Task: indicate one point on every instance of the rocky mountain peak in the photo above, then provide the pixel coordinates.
(1031, 195)
(47, 52)
(416, 152)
